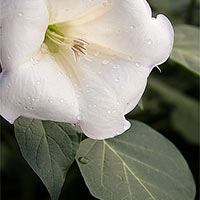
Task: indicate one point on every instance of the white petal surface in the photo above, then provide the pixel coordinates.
(107, 87)
(131, 43)
(38, 89)
(23, 26)
(125, 26)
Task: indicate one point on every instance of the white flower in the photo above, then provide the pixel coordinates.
(84, 62)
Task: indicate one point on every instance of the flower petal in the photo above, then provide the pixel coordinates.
(62, 10)
(127, 43)
(108, 88)
(38, 89)
(23, 26)
(125, 26)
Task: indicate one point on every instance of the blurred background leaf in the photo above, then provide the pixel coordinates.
(186, 110)
(186, 49)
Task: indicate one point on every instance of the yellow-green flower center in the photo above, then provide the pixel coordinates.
(55, 39)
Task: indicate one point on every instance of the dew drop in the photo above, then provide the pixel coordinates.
(61, 100)
(130, 58)
(149, 42)
(137, 64)
(50, 101)
(20, 14)
(90, 106)
(117, 133)
(79, 117)
(118, 103)
(105, 62)
(95, 105)
(83, 160)
(117, 80)
(132, 27)
(38, 82)
(8, 57)
(108, 111)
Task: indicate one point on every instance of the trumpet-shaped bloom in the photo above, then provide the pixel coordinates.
(84, 62)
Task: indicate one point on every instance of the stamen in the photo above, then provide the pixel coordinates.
(76, 45)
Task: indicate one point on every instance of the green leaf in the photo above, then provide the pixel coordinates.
(186, 49)
(185, 117)
(169, 6)
(49, 148)
(140, 164)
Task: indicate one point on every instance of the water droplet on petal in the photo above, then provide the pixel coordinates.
(105, 62)
(38, 82)
(83, 160)
(79, 117)
(117, 80)
(117, 133)
(137, 64)
(62, 100)
(109, 111)
(90, 106)
(132, 27)
(149, 42)
(20, 14)
(95, 105)
(50, 101)
(130, 58)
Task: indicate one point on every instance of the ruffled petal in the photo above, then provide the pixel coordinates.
(125, 43)
(38, 89)
(107, 88)
(23, 26)
(124, 26)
